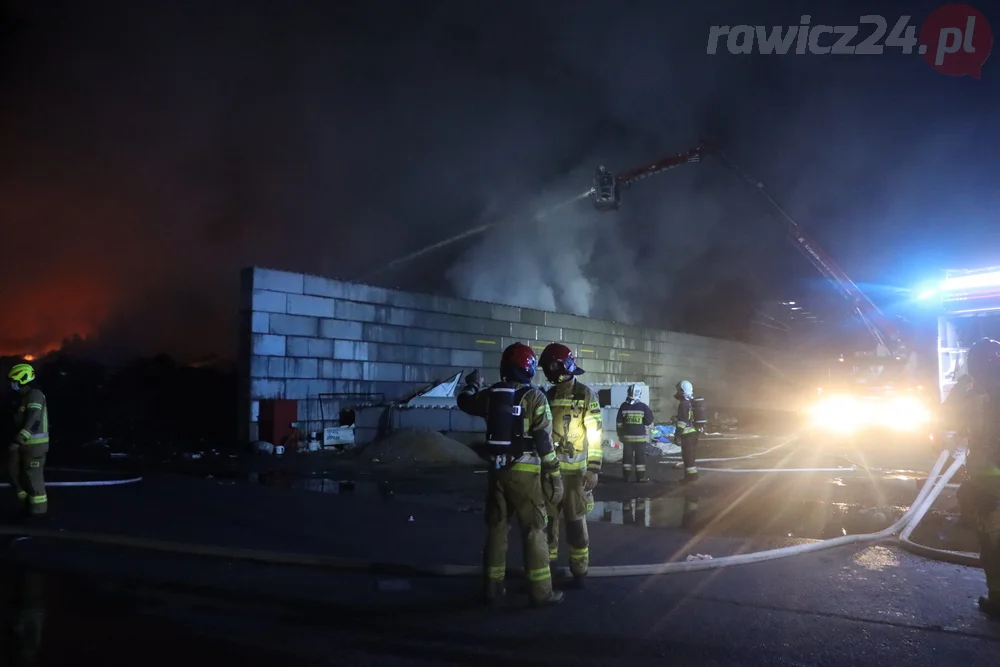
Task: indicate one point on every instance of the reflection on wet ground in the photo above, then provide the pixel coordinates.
(56, 619)
(767, 515)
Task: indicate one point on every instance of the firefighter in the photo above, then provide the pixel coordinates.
(983, 463)
(577, 430)
(26, 455)
(634, 420)
(686, 431)
(524, 474)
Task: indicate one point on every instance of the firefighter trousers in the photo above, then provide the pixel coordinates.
(689, 452)
(26, 467)
(634, 460)
(573, 512)
(986, 503)
(516, 493)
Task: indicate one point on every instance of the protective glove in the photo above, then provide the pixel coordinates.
(589, 480)
(474, 379)
(552, 488)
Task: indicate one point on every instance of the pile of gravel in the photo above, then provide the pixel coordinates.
(419, 446)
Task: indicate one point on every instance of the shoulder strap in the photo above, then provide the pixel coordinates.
(519, 394)
(579, 392)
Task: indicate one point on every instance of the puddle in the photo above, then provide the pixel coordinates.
(357, 488)
(777, 517)
(49, 618)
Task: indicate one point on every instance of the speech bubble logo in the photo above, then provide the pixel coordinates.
(956, 40)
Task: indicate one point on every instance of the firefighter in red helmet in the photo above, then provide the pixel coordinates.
(982, 490)
(577, 430)
(524, 473)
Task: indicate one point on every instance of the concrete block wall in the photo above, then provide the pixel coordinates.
(304, 336)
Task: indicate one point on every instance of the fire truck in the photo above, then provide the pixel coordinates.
(883, 395)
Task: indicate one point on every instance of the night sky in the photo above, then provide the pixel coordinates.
(149, 150)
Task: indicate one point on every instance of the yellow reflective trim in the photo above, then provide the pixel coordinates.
(34, 406)
(38, 500)
(561, 402)
(576, 554)
(497, 572)
(487, 342)
(540, 410)
(583, 350)
(551, 456)
(541, 574)
(527, 467)
(624, 354)
(572, 465)
(25, 433)
(22, 495)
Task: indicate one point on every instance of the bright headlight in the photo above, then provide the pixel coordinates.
(841, 413)
(904, 414)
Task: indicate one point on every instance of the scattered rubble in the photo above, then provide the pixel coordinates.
(419, 446)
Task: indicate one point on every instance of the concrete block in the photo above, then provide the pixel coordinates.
(492, 359)
(383, 333)
(268, 345)
(426, 418)
(278, 281)
(262, 389)
(254, 411)
(340, 329)
(313, 306)
(351, 311)
(259, 366)
(301, 346)
(400, 317)
(341, 370)
(260, 323)
(408, 354)
(325, 287)
(351, 350)
(525, 331)
(532, 316)
(464, 423)
(505, 313)
(302, 369)
(295, 325)
(276, 367)
(370, 417)
(416, 301)
(466, 359)
(549, 335)
(266, 301)
(428, 374)
(304, 388)
(382, 372)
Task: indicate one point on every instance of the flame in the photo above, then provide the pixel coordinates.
(29, 357)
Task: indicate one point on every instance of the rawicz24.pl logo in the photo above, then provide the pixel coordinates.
(954, 39)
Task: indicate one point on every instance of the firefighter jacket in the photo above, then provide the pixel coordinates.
(684, 421)
(537, 424)
(634, 418)
(982, 414)
(577, 426)
(32, 419)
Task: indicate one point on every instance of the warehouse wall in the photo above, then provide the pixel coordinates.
(331, 344)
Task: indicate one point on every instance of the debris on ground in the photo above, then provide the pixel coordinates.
(692, 557)
(416, 446)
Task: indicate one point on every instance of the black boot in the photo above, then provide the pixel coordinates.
(579, 581)
(990, 605)
(554, 598)
(494, 592)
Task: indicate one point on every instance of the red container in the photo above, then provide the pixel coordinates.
(275, 420)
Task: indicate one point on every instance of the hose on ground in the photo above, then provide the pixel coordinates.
(95, 482)
(925, 498)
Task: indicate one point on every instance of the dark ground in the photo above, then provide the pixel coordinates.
(845, 606)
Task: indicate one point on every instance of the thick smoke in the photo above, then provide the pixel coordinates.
(148, 151)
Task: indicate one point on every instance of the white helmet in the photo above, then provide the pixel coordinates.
(684, 387)
(634, 393)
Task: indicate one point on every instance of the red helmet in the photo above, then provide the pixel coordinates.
(518, 363)
(983, 362)
(559, 364)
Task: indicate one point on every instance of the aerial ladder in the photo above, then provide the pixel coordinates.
(606, 193)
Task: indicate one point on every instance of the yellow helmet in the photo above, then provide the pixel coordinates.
(22, 374)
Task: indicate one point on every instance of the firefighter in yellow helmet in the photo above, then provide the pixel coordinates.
(524, 473)
(577, 429)
(26, 455)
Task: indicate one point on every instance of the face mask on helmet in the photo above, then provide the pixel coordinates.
(15, 385)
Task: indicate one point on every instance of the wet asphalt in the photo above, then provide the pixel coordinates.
(850, 605)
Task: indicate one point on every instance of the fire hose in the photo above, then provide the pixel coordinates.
(936, 482)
